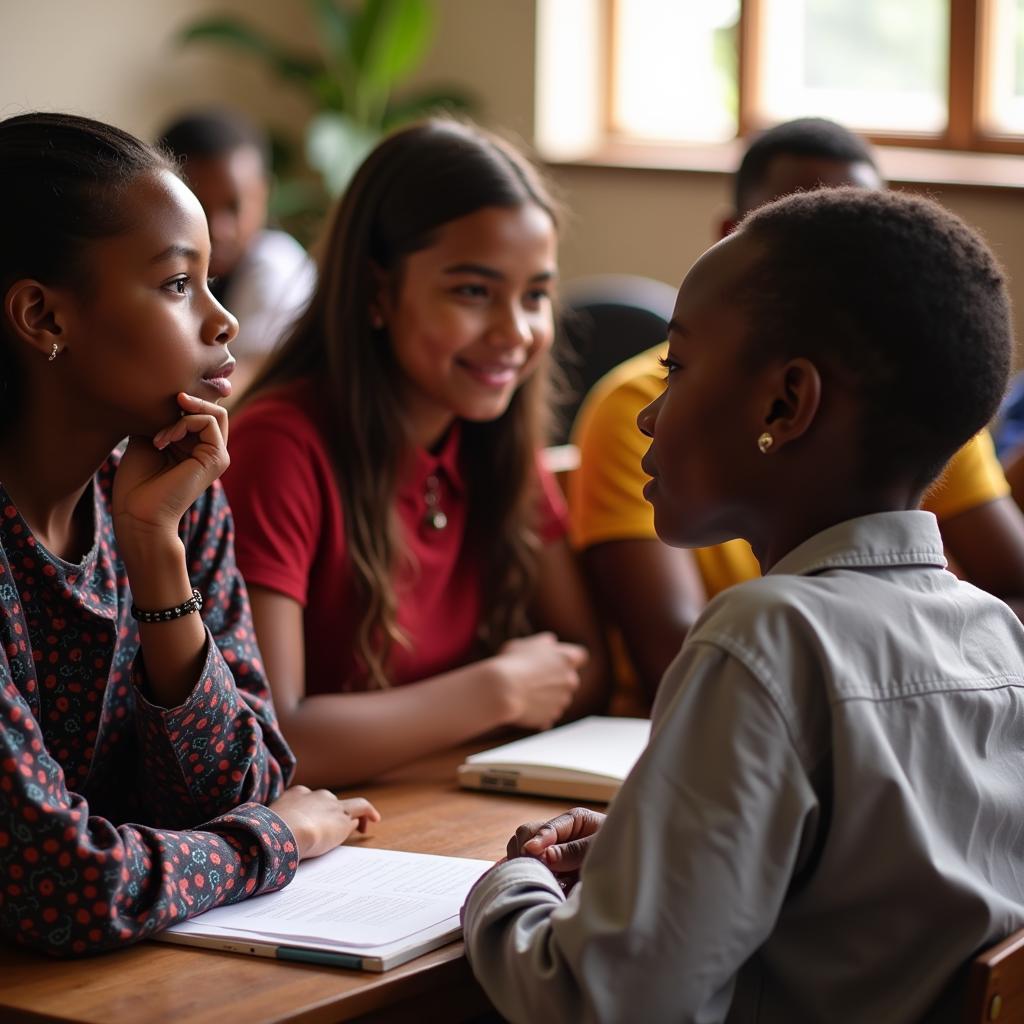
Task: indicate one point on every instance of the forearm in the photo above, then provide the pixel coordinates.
(340, 739)
(143, 879)
(173, 652)
(125, 881)
(220, 745)
(507, 931)
(652, 594)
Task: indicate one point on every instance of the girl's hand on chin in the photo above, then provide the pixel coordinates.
(159, 478)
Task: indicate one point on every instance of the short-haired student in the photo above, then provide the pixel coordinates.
(826, 823)
(404, 547)
(650, 592)
(138, 743)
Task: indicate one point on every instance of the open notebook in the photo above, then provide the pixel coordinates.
(585, 760)
(354, 907)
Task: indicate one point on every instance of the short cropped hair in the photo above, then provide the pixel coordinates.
(213, 133)
(897, 293)
(806, 136)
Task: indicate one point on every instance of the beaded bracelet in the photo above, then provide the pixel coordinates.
(193, 604)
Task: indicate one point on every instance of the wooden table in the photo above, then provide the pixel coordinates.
(152, 983)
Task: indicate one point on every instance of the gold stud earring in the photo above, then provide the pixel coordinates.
(53, 353)
(764, 442)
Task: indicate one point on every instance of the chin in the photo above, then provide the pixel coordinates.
(678, 534)
(486, 413)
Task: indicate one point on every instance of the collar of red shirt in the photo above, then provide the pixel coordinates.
(444, 463)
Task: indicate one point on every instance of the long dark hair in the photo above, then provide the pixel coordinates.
(62, 177)
(414, 182)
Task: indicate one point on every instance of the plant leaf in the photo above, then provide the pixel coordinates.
(336, 145)
(411, 106)
(295, 197)
(390, 38)
(295, 67)
(336, 30)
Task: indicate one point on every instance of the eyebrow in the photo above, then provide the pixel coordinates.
(172, 251)
(482, 270)
(674, 326)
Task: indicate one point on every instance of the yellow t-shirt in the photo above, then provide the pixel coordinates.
(606, 493)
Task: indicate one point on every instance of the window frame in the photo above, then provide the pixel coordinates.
(968, 21)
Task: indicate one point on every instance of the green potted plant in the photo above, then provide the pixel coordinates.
(366, 50)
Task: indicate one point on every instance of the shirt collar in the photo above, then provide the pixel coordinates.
(874, 541)
(442, 463)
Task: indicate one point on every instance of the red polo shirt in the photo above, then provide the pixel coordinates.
(291, 538)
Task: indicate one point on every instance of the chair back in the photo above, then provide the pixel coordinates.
(605, 320)
(995, 983)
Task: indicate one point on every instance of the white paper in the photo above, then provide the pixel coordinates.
(354, 897)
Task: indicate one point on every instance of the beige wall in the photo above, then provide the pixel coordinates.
(115, 59)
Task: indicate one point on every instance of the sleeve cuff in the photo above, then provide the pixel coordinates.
(209, 691)
(263, 833)
(523, 874)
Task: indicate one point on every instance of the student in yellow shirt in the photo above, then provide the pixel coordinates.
(651, 593)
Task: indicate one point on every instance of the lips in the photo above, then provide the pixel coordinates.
(218, 379)
(493, 375)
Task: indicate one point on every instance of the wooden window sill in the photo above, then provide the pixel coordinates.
(900, 165)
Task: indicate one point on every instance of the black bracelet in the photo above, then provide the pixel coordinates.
(193, 604)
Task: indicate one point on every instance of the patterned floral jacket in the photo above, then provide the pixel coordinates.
(119, 817)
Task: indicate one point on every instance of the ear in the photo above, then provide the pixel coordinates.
(795, 404)
(36, 314)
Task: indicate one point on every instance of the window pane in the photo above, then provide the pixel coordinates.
(1002, 70)
(675, 69)
(870, 64)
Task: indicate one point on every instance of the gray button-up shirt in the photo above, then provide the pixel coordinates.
(827, 823)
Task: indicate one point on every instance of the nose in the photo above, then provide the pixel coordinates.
(511, 327)
(220, 326)
(648, 416)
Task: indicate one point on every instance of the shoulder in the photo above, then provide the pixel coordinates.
(756, 620)
(279, 437)
(973, 476)
(784, 631)
(290, 414)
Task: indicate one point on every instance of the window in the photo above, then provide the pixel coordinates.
(872, 65)
(946, 74)
(665, 55)
(1002, 95)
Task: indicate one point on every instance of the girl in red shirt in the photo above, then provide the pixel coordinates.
(404, 550)
(138, 743)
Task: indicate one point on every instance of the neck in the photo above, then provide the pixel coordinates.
(46, 462)
(795, 525)
(426, 425)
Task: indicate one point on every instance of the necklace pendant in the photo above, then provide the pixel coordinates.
(434, 516)
(436, 519)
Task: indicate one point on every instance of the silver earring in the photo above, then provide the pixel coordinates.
(53, 353)
(764, 442)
